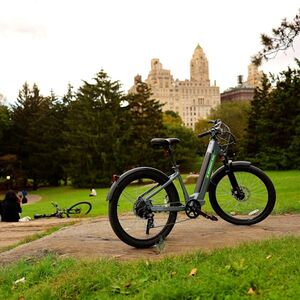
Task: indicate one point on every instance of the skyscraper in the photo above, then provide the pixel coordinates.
(191, 99)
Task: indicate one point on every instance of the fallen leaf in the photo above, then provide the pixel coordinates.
(173, 274)
(127, 285)
(251, 291)
(193, 272)
(21, 280)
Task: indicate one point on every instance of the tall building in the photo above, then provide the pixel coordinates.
(244, 91)
(2, 99)
(191, 99)
(254, 76)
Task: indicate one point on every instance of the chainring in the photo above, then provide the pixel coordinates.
(193, 209)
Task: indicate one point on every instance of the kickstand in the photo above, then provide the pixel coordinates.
(150, 224)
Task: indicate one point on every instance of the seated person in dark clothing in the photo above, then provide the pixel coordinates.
(10, 207)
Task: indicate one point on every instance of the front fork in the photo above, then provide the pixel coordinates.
(236, 190)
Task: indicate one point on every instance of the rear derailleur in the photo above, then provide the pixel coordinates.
(142, 210)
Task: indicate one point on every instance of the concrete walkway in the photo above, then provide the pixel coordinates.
(94, 238)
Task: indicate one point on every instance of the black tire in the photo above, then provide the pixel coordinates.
(131, 228)
(79, 209)
(39, 216)
(259, 200)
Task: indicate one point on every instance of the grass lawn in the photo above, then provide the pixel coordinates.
(66, 196)
(286, 184)
(263, 270)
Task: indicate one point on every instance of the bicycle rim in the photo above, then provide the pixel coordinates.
(79, 209)
(256, 204)
(127, 224)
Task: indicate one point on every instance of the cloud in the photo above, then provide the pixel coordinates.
(22, 27)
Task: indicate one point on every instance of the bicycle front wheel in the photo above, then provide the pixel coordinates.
(79, 209)
(256, 200)
(128, 214)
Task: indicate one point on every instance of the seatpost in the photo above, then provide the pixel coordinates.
(172, 157)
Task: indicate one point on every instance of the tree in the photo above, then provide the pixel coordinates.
(258, 114)
(61, 108)
(172, 118)
(186, 150)
(273, 135)
(146, 123)
(28, 139)
(235, 115)
(281, 39)
(5, 123)
(53, 139)
(94, 132)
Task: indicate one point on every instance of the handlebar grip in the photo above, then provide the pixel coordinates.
(200, 135)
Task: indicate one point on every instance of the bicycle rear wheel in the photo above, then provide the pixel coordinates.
(128, 213)
(79, 209)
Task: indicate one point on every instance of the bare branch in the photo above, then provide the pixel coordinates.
(281, 39)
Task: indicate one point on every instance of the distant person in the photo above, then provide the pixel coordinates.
(10, 207)
(93, 193)
(23, 195)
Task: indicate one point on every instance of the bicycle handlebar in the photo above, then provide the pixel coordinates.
(214, 130)
(217, 128)
(203, 134)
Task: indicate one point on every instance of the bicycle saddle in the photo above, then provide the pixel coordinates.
(164, 143)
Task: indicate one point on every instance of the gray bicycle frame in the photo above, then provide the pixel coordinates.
(212, 152)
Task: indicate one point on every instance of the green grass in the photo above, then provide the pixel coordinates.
(286, 185)
(263, 270)
(66, 196)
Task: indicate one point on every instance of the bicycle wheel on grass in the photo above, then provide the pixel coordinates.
(128, 224)
(79, 209)
(258, 198)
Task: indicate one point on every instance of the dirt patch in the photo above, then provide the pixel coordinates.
(94, 238)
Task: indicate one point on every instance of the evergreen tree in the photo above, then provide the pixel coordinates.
(53, 139)
(5, 123)
(95, 132)
(146, 122)
(257, 124)
(273, 134)
(29, 120)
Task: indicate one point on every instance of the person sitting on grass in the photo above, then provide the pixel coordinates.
(10, 207)
(93, 192)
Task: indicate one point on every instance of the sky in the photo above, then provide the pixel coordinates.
(56, 42)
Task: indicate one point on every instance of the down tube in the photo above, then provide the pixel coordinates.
(211, 154)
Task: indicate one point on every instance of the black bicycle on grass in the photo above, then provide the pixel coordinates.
(77, 210)
(144, 202)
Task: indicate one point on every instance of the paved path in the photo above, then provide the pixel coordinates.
(94, 238)
(15, 232)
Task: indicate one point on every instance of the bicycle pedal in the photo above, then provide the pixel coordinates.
(206, 216)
